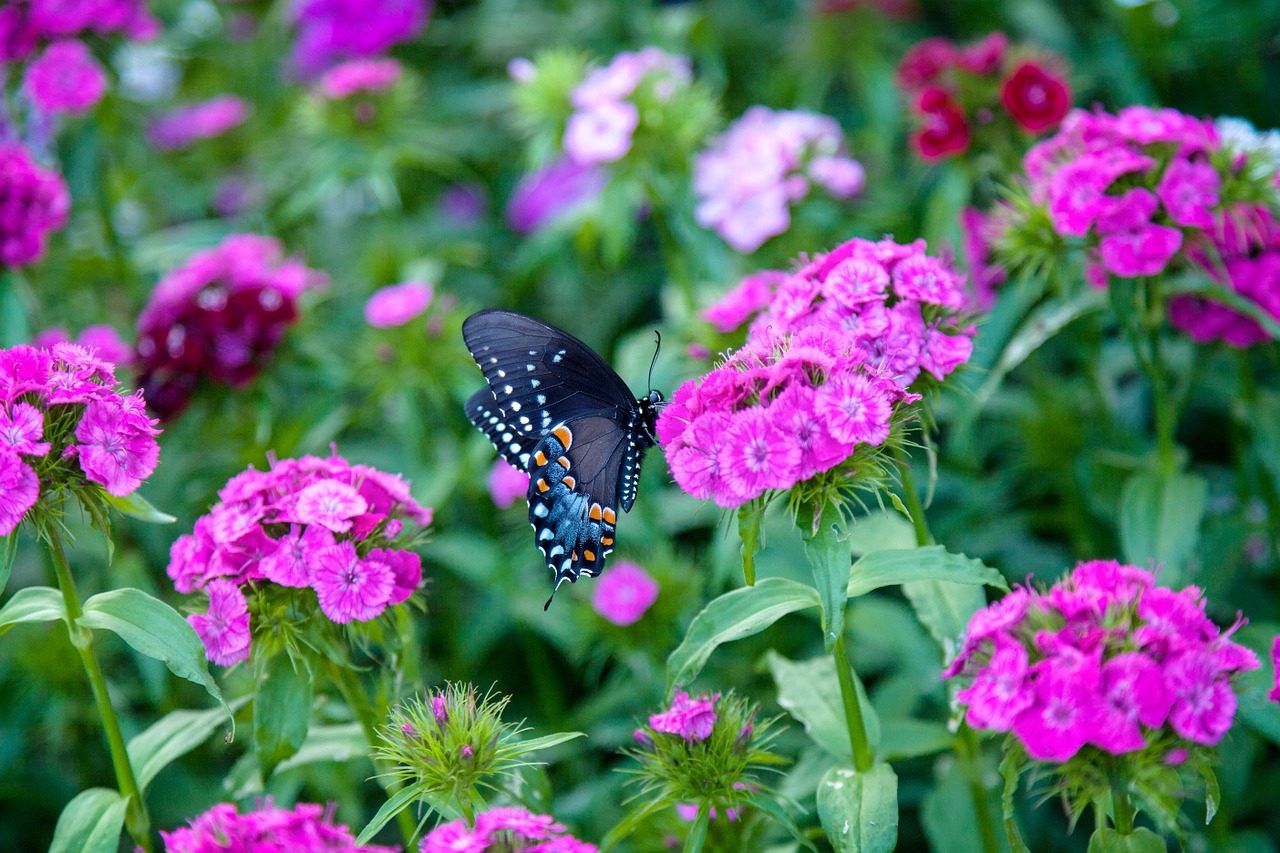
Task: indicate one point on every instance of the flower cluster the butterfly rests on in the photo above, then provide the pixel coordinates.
(1151, 192)
(1103, 668)
(555, 409)
(836, 354)
(66, 428)
(307, 534)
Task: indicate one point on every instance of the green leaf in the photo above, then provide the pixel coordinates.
(948, 812)
(1212, 793)
(732, 616)
(828, 551)
(879, 531)
(697, 836)
(1205, 286)
(1141, 840)
(31, 604)
(154, 629)
(1160, 519)
(750, 522)
(90, 823)
(859, 811)
(545, 742)
(906, 737)
(1011, 769)
(398, 802)
(631, 822)
(173, 735)
(281, 712)
(7, 556)
(136, 506)
(810, 692)
(944, 608)
(933, 563)
(341, 743)
(768, 803)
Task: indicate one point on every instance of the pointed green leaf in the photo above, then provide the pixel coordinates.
(281, 712)
(944, 608)
(631, 822)
(949, 815)
(768, 803)
(810, 692)
(136, 506)
(544, 742)
(172, 736)
(933, 563)
(859, 811)
(750, 521)
(341, 743)
(1141, 840)
(1212, 793)
(90, 823)
(400, 801)
(1011, 770)
(828, 551)
(906, 737)
(7, 555)
(154, 629)
(732, 616)
(697, 836)
(1160, 519)
(31, 604)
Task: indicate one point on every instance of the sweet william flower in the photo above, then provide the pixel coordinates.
(552, 192)
(359, 75)
(397, 304)
(944, 129)
(601, 133)
(19, 489)
(65, 78)
(224, 628)
(691, 719)
(191, 122)
(507, 483)
(624, 593)
(306, 828)
(33, 203)
(1037, 99)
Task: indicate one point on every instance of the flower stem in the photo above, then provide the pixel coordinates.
(137, 821)
(354, 694)
(862, 757)
(912, 498)
(1121, 808)
(968, 749)
(1163, 400)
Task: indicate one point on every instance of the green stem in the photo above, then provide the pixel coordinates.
(354, 694)
(137, 821)
(1163, 400)
(912, 498)
(862, 757)
(1121, 808)
(969, 750)
(1266, 486)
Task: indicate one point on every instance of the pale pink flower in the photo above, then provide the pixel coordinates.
(359, 75)
(397, 304)
(21, 429)
(330, 504)
(1189, 191)
(224, 629)
(601, 133)
(507, 483)
(290, 563)
(692, 719)
(19, 489)
(116, 450)
(351, 589)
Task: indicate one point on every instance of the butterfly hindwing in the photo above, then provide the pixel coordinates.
(483, 411)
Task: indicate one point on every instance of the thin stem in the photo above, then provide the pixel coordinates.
(912, 498)
(968, 750)
(137, 821)
(1163, 400)
(862, 757)
(1121, 808)
(353, 692)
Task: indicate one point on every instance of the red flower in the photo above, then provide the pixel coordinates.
(945, 131)
(1035, 98)
(984, 57)
(924, 62)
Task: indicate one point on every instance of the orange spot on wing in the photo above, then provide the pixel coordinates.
(542, 485)
(569, 482)
(540, 459)
(564, 435)
(590, 556)
(610, 516)
(563, 462)
(606, 541)
(594, 513)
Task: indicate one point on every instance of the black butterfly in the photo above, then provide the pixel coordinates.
(557, 410)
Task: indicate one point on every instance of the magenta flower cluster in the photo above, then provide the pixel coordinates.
(690, 718)
(63, 420)
(65, 78)
(605, 114)
(397, 304)
(1105, 658)
(322, 524)
(504, 829)
(26, 24)
(550, 193)
(200, 120)
(831, 353)
(219, 315)
(33, 203)
(750, 177)
(624, 594)
(330, 31)
(307, 828)
(359, 75)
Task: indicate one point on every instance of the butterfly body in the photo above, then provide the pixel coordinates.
(557, 410)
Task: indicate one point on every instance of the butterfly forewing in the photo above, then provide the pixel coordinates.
(557, 410)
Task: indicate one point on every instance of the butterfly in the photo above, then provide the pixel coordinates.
(557, 410)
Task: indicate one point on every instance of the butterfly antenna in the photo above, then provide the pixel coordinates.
(656, 349)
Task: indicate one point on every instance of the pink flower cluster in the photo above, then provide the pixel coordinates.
(60, 413)
(101, 337)
(751, 175)
(219, 315)
(830, 355)
(1104, 658)
(504, 829)
(25, 24)
(691, 719)
(359, 75)
(624, 593)
(333, 30)
(397, 304)
(33, 202)
(507, 483)
(307, 828)
(200, 120)
(605, 115)
(319, 523)
(546, 195)
(957, 88)
(65, 78)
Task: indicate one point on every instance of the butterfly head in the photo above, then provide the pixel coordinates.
(649, 408)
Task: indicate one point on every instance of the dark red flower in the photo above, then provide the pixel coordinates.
(984, 57)
(924, 62)
(944, 130)
(1035, 98)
